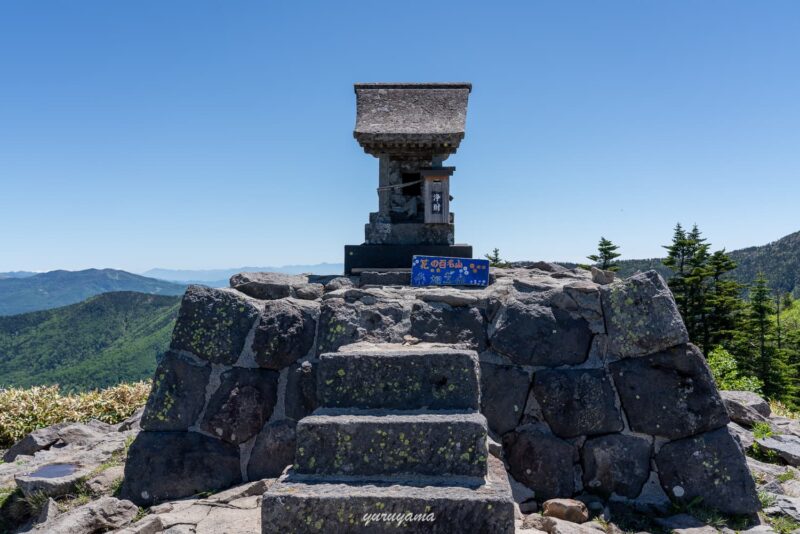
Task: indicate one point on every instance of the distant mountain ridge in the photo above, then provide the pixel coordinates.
(110, 338)
(17, 274)
(220, 277)
(60, 288)
(779, 261)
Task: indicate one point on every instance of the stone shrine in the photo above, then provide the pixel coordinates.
(371, 399)
(411, 128)
(589, 389)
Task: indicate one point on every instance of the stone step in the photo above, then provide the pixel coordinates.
(399, 377)
(318, 506)
(383, 442)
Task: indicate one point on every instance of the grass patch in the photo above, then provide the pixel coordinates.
(783, 524)
(787, 476)
(24, 410)
(13, 509)
(600, 520)
(781, 410)
(36, 502)
(140, 513)
(686, 507)
(766, 499)
(764, 455)
(5, 493)
(79, 496)
(759, 477)
(128, 442)
(762, 430)
(73, 501)
(116, 487)
(117, 459)
(710, 516)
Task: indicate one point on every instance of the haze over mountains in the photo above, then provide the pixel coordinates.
(44, 291)
(23, 291)
(17, 274)
(220, 277)
(108, 326)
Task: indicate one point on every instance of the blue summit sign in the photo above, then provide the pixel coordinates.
(443, 271)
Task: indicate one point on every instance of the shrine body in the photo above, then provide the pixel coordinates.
(412, 128)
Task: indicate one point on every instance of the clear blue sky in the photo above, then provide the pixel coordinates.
(192, 134)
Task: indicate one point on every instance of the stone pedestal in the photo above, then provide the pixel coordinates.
(358, 257)
(362, 465)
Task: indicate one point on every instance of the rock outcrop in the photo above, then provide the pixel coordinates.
(71, 452)
(593, 389)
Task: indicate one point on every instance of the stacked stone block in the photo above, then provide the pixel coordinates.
(397, 440)
(590, 384)
(628, 411)
(228, 394)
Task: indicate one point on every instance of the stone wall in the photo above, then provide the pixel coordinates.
(591, 387)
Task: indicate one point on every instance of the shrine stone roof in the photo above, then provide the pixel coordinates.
(410, 119)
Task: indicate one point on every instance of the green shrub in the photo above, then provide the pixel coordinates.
(24, 410)
(762, 430)
(727, 374)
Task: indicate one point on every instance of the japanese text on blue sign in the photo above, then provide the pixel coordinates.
(440, 271)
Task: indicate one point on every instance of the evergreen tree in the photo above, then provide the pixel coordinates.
(696, 287)
(787, 300)
(677, 253)
(756, 348)
(724, 303)
(606, 254)
(792, 350)
(688, 257)
(494, 259)
(760, 310)
(708, 300)
(778, 325)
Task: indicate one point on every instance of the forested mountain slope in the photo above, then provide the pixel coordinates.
(779, 261)
(58, 288)
(107, 339)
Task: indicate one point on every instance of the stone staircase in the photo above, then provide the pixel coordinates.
(398, 444)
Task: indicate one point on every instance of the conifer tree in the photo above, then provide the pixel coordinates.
(688, 257)
(760, 310)
(696, 289)
(606, 254)
(716, 316)
(787, 300)
(494, 258)
(756, 348)
(792, 351)
(724, 303)
(707, 298)
(677, 253)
